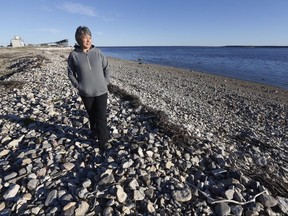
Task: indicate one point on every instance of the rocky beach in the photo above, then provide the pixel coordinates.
(183, 142)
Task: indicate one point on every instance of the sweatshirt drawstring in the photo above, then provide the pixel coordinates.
(88, 62)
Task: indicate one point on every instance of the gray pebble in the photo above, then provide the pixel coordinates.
(51, 198)
(222, 209)
(183, 195)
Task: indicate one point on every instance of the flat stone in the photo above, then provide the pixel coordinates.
(229, 194)
(195, 160)
(2, 206)
(69, 209)
(127, 164)
(267, 200)
(68, 166)
(183, 195)
(5, 139)
(41, 172)
(107, 179)
(81, 192)
(15, 143)
(26, 161)
(149, 193)
(140, 152)
(36, 210)
(87, 183)
(150, 207)
(222, 209)
(82, 209)
(120, 194)
(138, 195)
(54, 209)
(51, 198)
(4, 152)
(149, 153)
(133, 185)
(69, 205)
(27, 196)
(32, 184)
(108, 211)
(10, 176)
(11, 192)
(169, 164)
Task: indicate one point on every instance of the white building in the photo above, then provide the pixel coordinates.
(17, 42)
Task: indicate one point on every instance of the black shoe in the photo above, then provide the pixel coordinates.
(92, 136)
(105, 146)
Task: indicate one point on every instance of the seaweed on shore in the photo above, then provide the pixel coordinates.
(179, 136)
(21, 64)
(12, 84)
(159, 119)
(274, 183)
(134, 100)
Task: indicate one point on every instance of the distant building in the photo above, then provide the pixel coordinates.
(17, 42)
(61, 43)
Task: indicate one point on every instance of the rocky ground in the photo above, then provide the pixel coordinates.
(184, 143)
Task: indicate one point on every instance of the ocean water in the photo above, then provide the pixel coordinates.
(261, 65)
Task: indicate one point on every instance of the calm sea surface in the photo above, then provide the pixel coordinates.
(262, 65)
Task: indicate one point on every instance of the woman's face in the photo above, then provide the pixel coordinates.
(86, 41)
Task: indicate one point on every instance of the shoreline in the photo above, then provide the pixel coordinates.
(190, 86)
(218, 79)
(177, 134)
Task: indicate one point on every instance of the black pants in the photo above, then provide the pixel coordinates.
(96, 108)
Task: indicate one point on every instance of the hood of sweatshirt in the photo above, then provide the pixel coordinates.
(78, 48)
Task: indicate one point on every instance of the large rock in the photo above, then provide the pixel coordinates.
(182, 195)
(11, 192)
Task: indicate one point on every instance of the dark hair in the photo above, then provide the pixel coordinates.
(81, 30)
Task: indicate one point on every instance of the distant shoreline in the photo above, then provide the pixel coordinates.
(226, 46)
(236, 46)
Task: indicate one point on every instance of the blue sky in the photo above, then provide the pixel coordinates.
(148, 22)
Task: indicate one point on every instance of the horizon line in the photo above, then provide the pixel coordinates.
(247, 46)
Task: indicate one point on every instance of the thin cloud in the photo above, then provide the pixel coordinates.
(77, 8)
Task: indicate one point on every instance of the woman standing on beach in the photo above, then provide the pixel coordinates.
(88, 71)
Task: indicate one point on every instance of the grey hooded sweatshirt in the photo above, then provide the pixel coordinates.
(89, 72)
